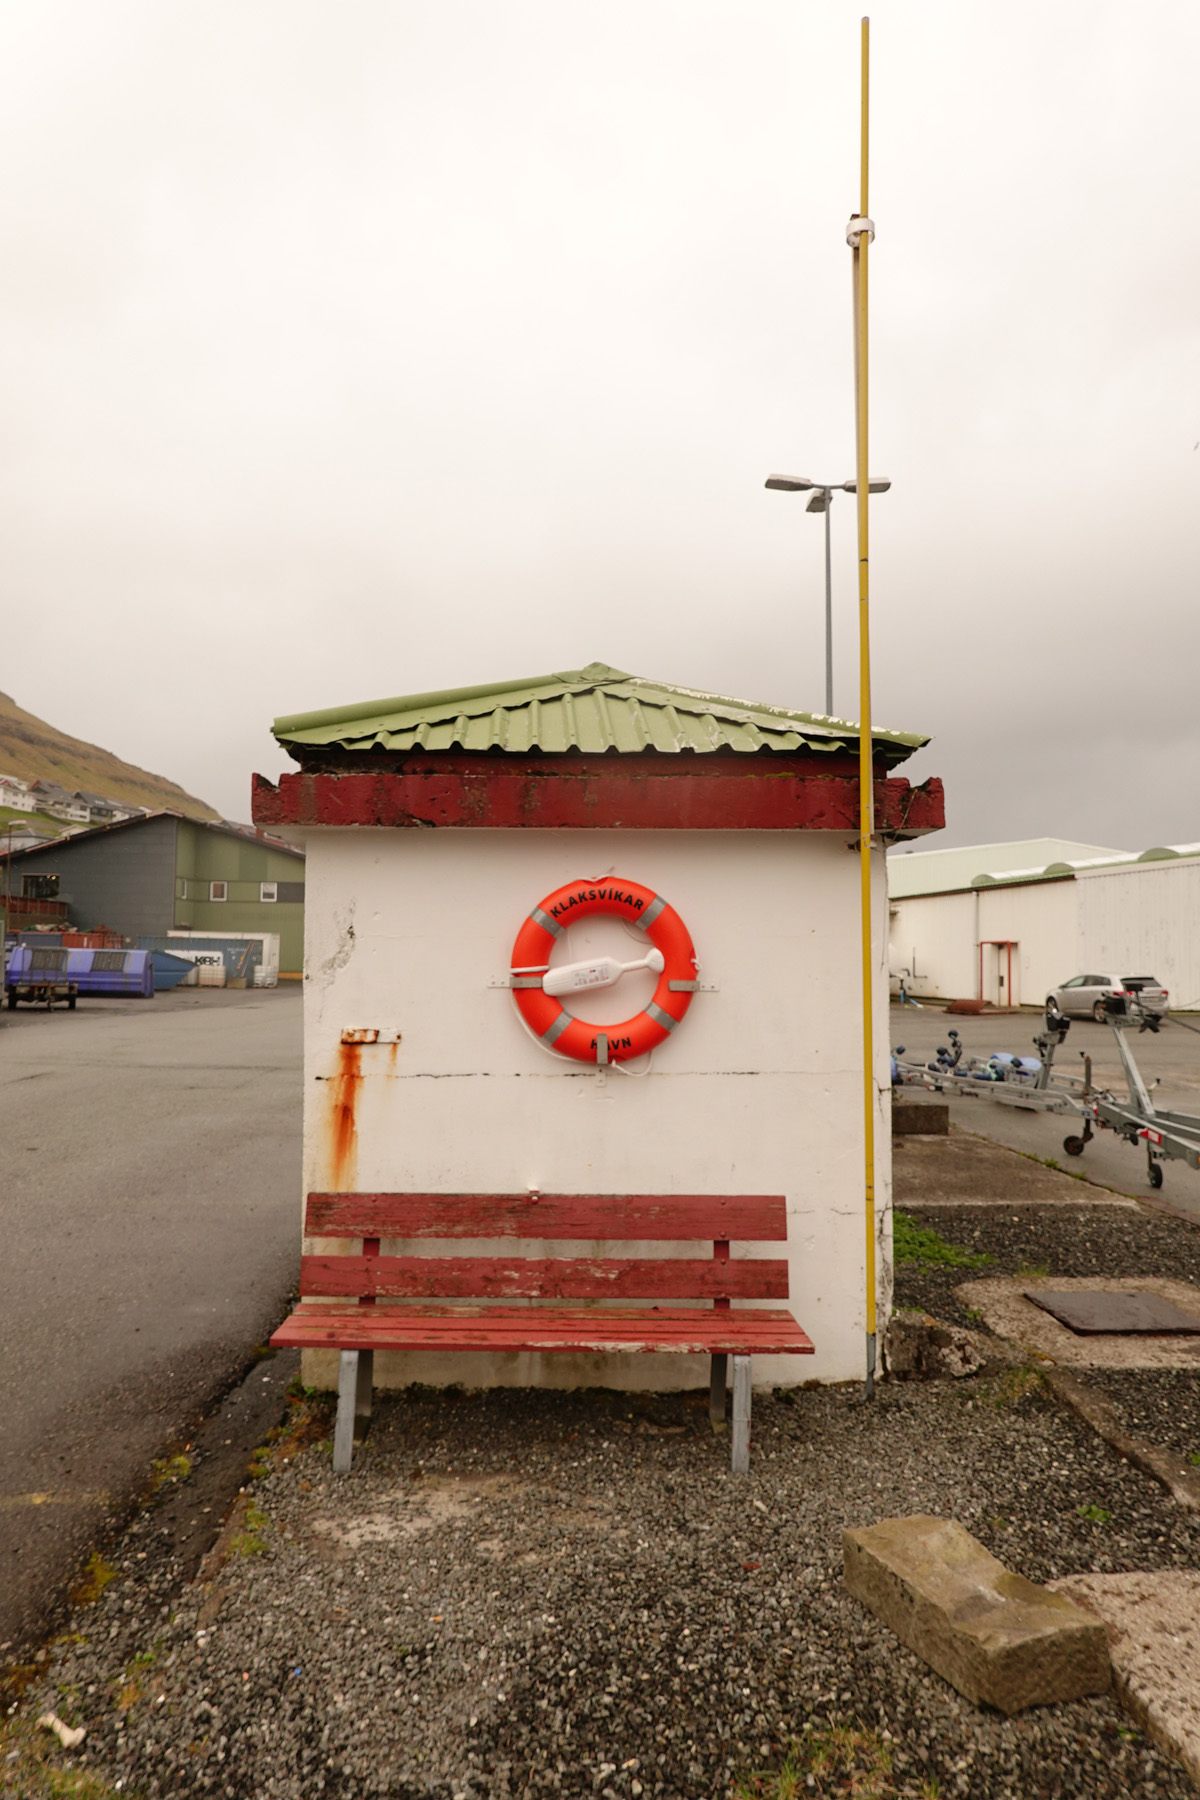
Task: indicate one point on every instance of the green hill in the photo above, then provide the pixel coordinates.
(34, 751)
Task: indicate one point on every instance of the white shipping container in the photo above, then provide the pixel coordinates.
(208, 967)
(266, 972)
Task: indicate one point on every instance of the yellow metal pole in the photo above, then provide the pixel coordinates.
(860, 235)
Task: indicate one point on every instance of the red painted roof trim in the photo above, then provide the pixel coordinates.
(779, 794)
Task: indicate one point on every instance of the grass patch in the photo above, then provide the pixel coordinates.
(250, 1542)
(1016, 1385)
(913, 1243)
(831, 1758)
(1031, 1271)
(1193, 1457)
(95, 1578)
(31, 1769)
(1098, 1515)
(169, 1469)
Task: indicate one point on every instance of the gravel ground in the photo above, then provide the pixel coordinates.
(1051, 1240)
(1160, 1405)
(538, 1593)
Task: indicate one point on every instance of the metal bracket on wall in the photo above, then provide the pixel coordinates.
(533, 981)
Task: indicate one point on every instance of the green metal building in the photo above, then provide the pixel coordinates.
(147, 876)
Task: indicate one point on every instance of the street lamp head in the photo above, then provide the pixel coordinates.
(878, 486)
(789, 484)
(820, 501)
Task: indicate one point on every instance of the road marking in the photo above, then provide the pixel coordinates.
(11, 1502)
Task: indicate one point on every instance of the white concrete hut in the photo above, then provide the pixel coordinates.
(434, 824)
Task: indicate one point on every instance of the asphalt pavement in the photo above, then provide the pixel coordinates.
(1170, 1057)
(150, 1208)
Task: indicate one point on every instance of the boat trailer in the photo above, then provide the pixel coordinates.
(1032, 1084)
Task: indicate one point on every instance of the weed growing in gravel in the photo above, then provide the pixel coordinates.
(307, 1421)
(830, 1759)
(1099, 1515)
(92, 1583)
(1031, 1271)
(1014, 1385)
(250, 1542)
(1194, 1458)
(913, 1243)
(169, 1468)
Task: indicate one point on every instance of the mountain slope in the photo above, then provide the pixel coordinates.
(34, 751)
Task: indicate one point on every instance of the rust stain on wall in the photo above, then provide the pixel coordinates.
(343, 1125)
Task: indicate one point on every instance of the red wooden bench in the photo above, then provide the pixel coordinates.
(361, 1302)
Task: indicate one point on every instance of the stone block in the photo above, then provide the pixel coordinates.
(920, 1118)
(996, 1637)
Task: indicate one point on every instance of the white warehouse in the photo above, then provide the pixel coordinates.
(1009, 934)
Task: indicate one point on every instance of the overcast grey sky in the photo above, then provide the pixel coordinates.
(351, 350)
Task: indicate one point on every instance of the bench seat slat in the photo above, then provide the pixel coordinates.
(543, 1278)
(678, 1330)
(746, 1218)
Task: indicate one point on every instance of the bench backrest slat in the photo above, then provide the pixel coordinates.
(542, 1278)
(745, 1218)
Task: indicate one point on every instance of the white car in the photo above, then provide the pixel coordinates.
(1099, 996)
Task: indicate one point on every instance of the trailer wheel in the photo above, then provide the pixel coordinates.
(1155, 1175)
(71, 1003)
(1074, 1146)
(12, 999)
(1100, 1013)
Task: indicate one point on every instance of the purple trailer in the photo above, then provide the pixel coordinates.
(38, 972)
(111, 972)
(44, 972)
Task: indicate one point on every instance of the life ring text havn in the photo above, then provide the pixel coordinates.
(675, 964)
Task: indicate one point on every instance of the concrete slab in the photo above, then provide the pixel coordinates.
(1002, 1304)
(966, 1170)
(996, 1637)
(1153, 1624)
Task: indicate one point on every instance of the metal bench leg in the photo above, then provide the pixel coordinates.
(741, 1415)
(362, 1394)
(343, 1431)
(716, 1393)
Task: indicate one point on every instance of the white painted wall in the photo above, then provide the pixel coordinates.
(1144, 919)
(942, 932)
(759, 1091)
(1132, 919)
(932, 943)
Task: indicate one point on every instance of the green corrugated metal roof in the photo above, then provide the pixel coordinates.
(591, 710)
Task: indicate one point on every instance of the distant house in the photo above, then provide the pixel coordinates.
(103, 811)
(16, 795)
(54, 800)
(161, 872)
(24, 837)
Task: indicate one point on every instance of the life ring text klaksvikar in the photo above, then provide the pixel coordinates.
(536, 986)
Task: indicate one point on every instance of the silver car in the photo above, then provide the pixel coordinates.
(1099, 996)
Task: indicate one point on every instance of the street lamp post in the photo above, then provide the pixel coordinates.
(822, 502)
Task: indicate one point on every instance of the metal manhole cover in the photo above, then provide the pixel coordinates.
(1086, 1313)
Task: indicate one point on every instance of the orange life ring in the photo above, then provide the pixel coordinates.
(545, 1014)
